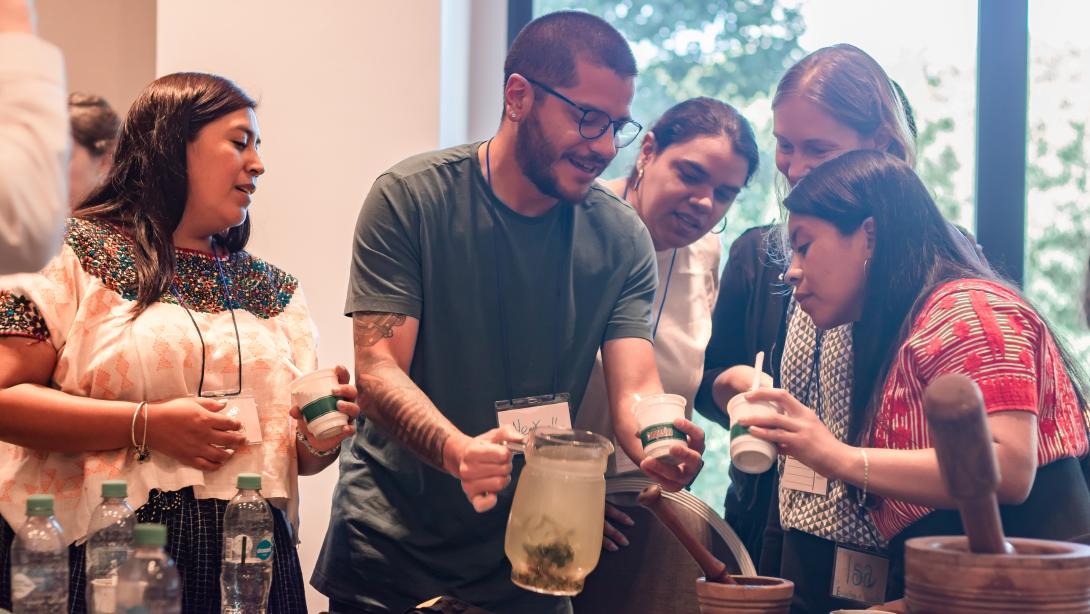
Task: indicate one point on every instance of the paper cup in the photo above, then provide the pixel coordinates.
(655, 417)
(748, 453)
(311, 394)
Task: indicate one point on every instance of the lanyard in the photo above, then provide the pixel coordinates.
(227, 291)
(665, 286)
(499, 292)
(665, 291)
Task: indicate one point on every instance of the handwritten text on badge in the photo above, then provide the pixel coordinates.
(554, 415)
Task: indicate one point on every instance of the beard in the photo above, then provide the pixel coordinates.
(537, 157)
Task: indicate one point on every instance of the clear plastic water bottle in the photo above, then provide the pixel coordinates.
(39, 561)
(247, 549)
(148, 582)
(108, 545)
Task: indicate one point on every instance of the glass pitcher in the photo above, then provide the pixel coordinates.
(554, 532)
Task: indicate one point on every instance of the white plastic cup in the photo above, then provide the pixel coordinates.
(312, 395)
(748, 453)
(655, 417)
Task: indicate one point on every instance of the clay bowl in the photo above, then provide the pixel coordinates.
(751, 595)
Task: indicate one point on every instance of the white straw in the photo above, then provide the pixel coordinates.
(757, 371)
(294, 369)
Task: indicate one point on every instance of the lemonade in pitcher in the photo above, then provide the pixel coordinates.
(554, 532)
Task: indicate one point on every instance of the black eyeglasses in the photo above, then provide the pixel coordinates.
(595, 122)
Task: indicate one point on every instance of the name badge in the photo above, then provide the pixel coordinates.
(244, 409)
(859, 576)
(530, 412)
(798, 476)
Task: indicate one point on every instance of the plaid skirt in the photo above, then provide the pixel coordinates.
(195, 542)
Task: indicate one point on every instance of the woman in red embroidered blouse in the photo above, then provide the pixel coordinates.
(870, 247)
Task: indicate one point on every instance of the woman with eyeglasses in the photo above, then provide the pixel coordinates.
(692, 165)
(155, 349)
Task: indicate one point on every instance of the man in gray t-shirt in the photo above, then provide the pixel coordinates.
(483, 273)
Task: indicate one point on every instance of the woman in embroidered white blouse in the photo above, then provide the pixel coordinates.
(117, 359)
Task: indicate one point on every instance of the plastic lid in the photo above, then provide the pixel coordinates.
(148, 534)
(115, 488)
(39, 505)
(249, 481)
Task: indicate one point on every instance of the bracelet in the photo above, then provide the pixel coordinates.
(142, 452)
(301, 438)
(866, 477)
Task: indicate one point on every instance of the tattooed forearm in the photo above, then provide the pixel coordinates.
(372, 326)
(390, 399)
(394, 402)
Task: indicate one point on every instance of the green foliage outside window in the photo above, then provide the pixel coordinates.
(737, 51)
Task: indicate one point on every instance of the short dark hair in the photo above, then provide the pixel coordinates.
(94, 123)
(146, 189)
(704, 116)
(548, 47)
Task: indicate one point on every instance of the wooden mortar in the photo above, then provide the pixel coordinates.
(983, 572)
(719, 592)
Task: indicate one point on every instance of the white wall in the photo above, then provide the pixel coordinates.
(474, 43)
(346, 88)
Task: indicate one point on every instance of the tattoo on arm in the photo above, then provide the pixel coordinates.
(373, 326)
(390, 398)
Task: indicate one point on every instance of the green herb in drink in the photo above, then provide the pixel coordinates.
(544, 568)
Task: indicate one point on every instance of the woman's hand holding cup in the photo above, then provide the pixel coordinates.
(797, 431)
(324, 407)
(192, 431)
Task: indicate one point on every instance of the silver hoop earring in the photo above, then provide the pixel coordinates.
(866, 267)
(723, 228)
(639, 178)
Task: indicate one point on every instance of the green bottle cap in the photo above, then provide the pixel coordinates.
(115, 488)
(249, 481)
(39, 505)
(148, 534)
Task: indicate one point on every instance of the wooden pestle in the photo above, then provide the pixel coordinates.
(714, 569)
(963, 443)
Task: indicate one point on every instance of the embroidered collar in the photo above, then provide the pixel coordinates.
(105, 252)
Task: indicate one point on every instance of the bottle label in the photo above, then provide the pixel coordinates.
(41, 580)
(245, 549)
(22, 585)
